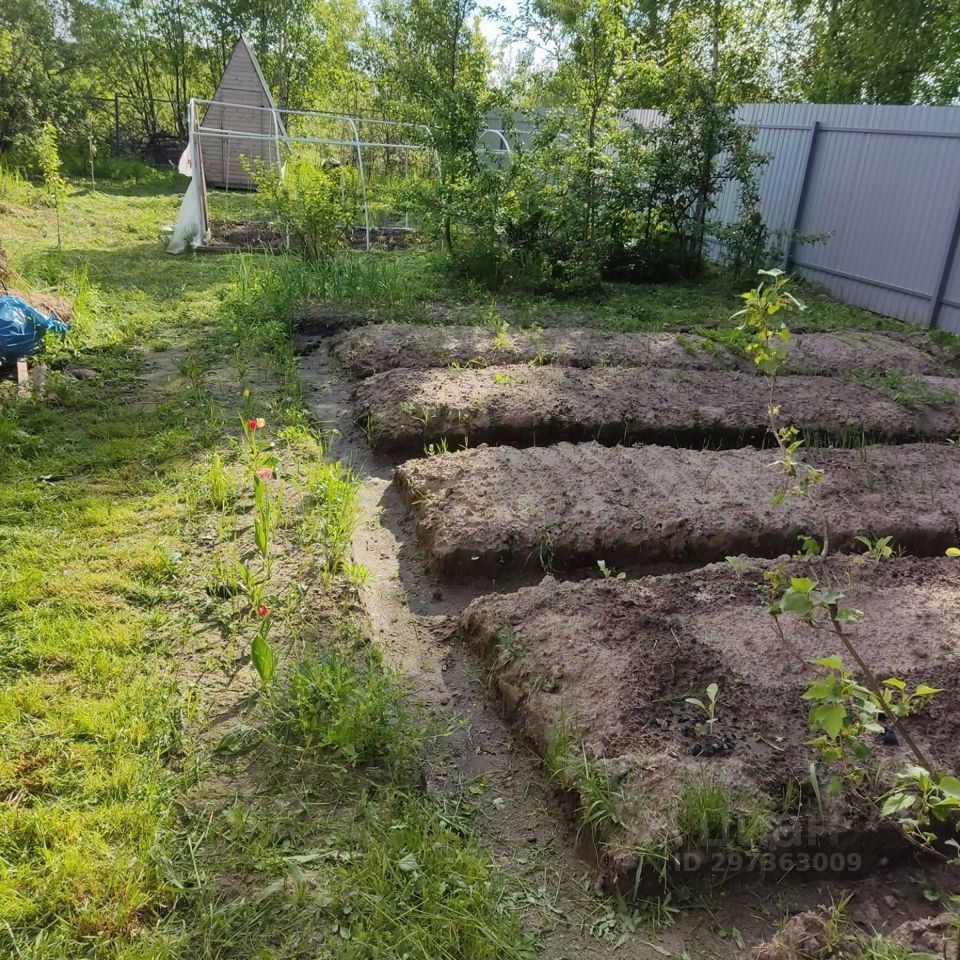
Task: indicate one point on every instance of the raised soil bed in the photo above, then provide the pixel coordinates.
(366, 350)
(404, 410)
(608, 665)
(495, 509)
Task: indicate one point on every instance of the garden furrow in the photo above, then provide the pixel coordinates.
(601, 670)
(366, 350)
(407, 410)
(491, 510)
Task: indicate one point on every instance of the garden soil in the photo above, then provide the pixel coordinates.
(615, 660)
(489, 510)
(366, 350)
(404, 410)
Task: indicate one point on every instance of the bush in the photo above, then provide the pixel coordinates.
(316, 201)
(351, 709)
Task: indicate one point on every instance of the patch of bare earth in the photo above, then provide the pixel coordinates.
(486, 773)
(615, 660)
(494, 509)
(403, 410)
(366, 350)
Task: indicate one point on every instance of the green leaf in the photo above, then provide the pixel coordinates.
(829, 717)
(895, 683)
(924, 691)
(802, 584)
(834, 786)
(712, 690)
(897, 803)
(407, 863)
(848, 615)
(831, 662)
(264, 659)
(798, 603)
(950, 785)
(820, 690)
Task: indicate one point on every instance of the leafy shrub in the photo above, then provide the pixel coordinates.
(353, 710)
(315, 201)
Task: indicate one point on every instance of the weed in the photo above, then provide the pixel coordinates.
(436, 449)
(902, 388)
(353, 710)
(419, 889)
(599, 800)
(219, 490)
(710, 812)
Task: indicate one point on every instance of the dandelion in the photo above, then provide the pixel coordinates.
(246, 392)
(953, 551)
(263, 611)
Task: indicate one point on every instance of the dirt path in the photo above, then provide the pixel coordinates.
(483, 774)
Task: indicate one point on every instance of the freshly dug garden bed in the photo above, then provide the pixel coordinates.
(404, 410)
(370, 349)
(492, 509)
(601, 669)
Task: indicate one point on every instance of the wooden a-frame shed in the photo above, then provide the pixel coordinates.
(242, 104)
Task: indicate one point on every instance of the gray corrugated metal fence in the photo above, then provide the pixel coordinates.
(883, 182)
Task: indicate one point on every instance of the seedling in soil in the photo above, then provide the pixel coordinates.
(436, 449)
(810, 548)
(842, 709)
(708, 706)
(739, 565)
(609, 573)
(929, 797)
(880, 549)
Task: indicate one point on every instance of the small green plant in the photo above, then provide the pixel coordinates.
(842, 710)
(218, 486)
(927, 796)
(356, 575)
(707, 706)
(504, 379)
(51, 170)
(351, 709)
(879, 549)
(709, 811)
(609, 573)
(436, 449)
(739, 565)
(810, 548)
(763, 323)
(598, 798)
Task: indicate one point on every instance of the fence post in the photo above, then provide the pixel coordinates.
(943, 277)
(809, 152)
(116, 123)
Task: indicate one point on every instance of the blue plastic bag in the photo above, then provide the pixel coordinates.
(22, 328)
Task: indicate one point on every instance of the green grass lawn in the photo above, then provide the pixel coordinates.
(127, 829)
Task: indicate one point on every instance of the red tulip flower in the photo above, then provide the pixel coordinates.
(263, 611)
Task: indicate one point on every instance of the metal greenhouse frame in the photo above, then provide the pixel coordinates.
(193, 227)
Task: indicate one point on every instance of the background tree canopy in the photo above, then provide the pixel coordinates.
(429, 59)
